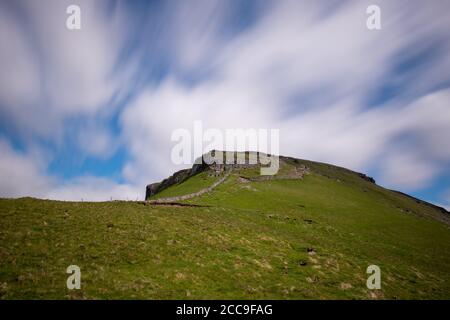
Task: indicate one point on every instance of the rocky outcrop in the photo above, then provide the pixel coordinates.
(367, 178)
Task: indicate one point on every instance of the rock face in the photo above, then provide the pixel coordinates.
(152, 189)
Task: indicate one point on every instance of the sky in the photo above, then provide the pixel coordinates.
(88, 114)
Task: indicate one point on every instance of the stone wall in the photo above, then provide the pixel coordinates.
(192, 195)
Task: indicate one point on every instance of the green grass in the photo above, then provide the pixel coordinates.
(250, 242)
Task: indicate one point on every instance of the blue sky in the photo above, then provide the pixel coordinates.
(88, 114)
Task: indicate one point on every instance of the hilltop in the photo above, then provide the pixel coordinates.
(209, 175)
(308, 232)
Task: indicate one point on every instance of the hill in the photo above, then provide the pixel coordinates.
(308, 232)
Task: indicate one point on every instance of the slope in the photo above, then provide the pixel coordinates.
(295, 236)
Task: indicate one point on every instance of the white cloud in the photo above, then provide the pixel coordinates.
(24, 174)
(429, 119)
(95, 189)
(447, 204)
(95, 139)
(78, 64)
(199, 23)
(406, 171)
(305, 67)
(334, 59)
(50, 73)
(21, 174)
(19, 82)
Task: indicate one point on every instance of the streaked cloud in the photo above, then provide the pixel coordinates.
(371, 101)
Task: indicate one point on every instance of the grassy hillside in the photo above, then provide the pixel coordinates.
(277, 239)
